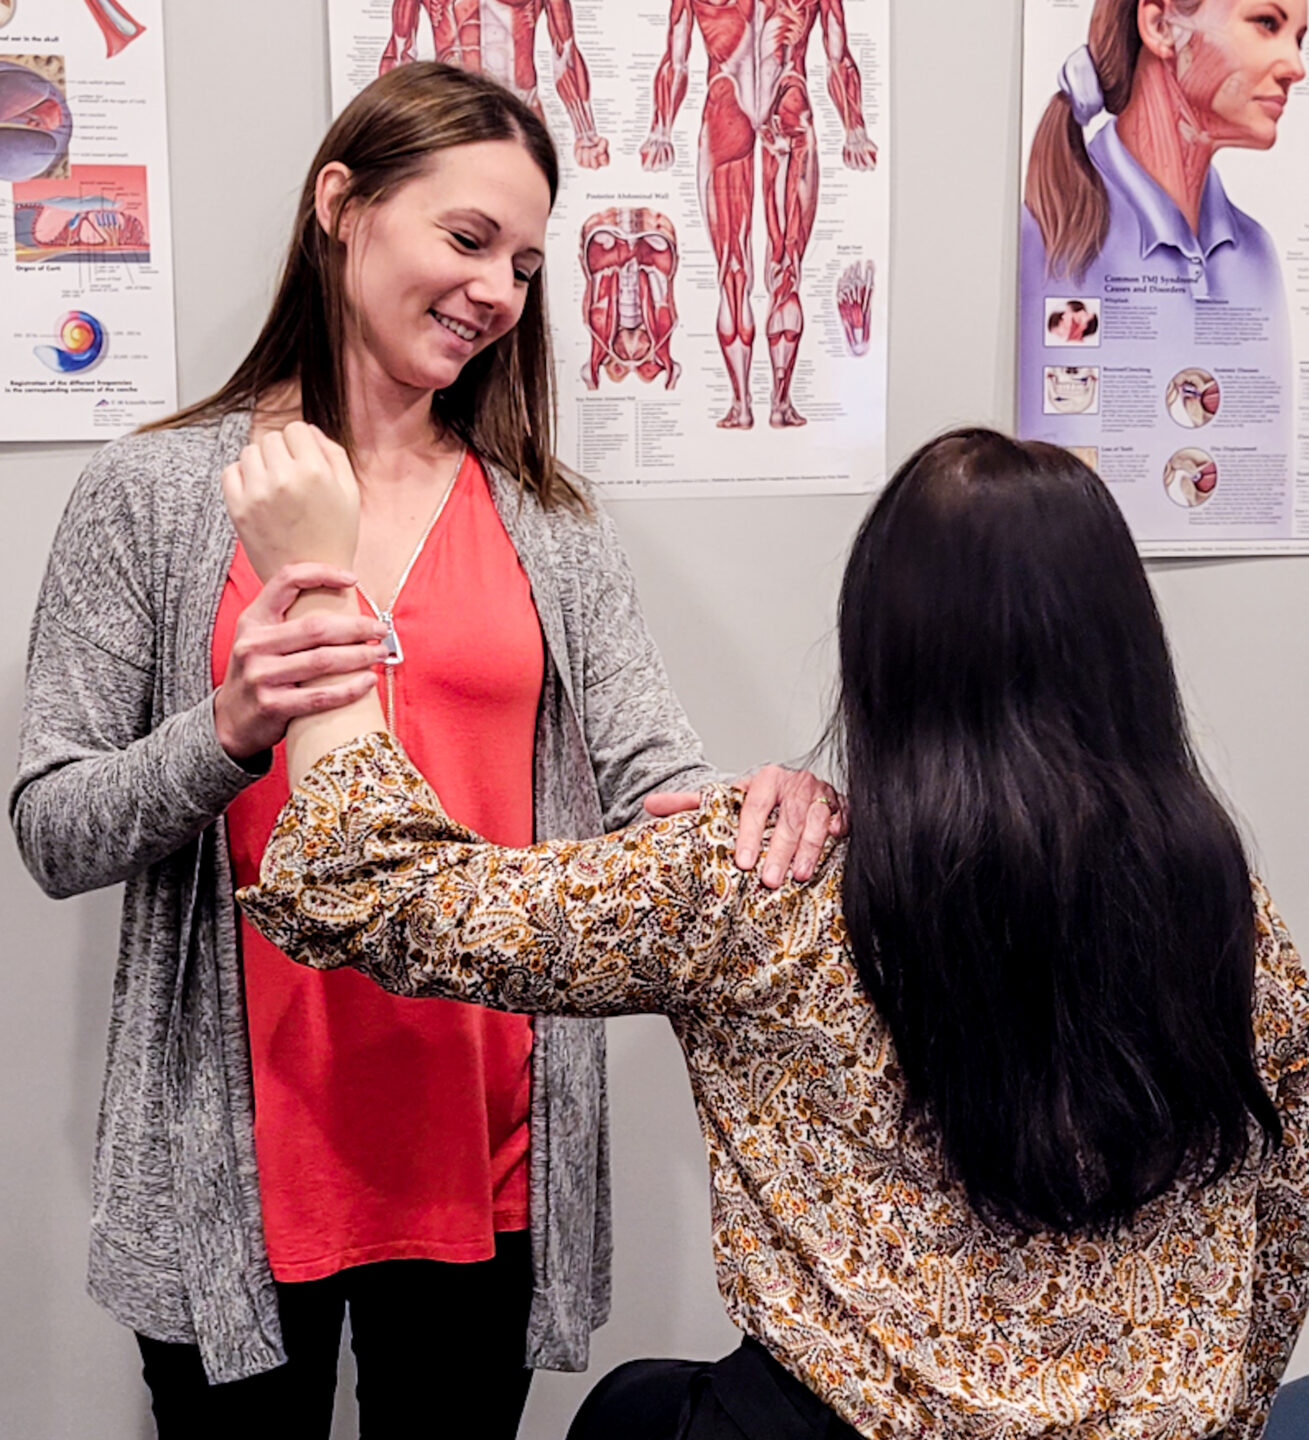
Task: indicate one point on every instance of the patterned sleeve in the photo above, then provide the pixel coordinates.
(1281, 1266)
(365, 869)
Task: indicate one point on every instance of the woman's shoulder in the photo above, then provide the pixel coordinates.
(1281, 1008)
(143, 452)
(157, 470)
(146, 459)
(146, 489)
(575, 523)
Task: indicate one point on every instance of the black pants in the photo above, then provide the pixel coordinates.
(438, 1348)
(746, 1396)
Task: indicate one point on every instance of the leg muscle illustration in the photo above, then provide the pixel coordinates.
(499, 37)
(629, 257)
(758, 92)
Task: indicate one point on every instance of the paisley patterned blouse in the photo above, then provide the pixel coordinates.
(838, 1242)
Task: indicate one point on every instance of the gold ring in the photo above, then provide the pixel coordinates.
(823, 800)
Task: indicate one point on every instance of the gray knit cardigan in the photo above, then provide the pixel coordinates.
(121, 778)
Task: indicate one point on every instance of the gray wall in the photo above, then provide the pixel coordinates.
(739, 593)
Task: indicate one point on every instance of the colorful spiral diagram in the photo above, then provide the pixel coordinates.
(81, 343)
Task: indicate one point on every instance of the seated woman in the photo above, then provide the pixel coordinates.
(1006, 1110)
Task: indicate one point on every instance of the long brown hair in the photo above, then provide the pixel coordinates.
(1064, 190)
(503, 403)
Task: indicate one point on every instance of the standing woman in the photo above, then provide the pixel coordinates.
(276, 1147)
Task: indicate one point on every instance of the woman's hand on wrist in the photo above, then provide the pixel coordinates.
(301, 648)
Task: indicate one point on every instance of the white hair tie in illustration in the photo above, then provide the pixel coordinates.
(1080, 81)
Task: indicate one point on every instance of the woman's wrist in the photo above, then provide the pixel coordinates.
(310, 737)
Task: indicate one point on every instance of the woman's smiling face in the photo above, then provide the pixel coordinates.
(440, 269)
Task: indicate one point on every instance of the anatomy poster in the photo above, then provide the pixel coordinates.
(1164, 289)
(717, 259)
(86, 284)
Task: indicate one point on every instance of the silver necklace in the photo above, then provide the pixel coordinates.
(394, 650)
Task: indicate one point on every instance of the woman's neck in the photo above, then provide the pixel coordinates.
(1162, 133)
(391, 424)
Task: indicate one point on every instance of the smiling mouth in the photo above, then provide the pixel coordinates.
(455, 327)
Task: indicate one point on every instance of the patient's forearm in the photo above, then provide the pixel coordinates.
(310, 737)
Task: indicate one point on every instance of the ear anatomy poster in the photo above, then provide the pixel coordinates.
(1164, 286)
(717, 258)
(86, 286)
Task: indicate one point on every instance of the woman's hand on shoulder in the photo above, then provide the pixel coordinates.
(293, 497)
(806, 812)
(282, 668)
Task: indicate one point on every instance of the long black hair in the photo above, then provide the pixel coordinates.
(1045, 899)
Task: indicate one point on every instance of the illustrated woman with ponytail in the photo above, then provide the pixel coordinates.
(1133, 210)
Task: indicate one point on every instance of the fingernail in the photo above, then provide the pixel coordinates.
(772, 875)
(746, 858)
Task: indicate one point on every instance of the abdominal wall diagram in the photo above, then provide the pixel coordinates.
(86, 291)
(718, 252)
(1164, 281)
(629, 258)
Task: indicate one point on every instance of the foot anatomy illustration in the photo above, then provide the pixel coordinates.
(629, 258)
(498, 36)
(757, 94)
(854, 303)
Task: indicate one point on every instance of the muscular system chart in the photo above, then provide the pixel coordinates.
(86, 284)
(1164, 286)
(718, 254)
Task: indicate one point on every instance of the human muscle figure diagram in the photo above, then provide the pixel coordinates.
(498, 37)
(758, 95)
(629, 259)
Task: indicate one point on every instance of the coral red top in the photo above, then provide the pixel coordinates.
(388, 1128)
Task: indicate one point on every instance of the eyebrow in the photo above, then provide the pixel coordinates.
(490, 220)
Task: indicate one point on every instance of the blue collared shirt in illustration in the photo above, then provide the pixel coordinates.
(1171, 300)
